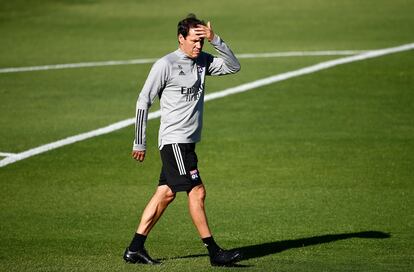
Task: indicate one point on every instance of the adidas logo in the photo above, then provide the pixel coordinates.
(181, 73)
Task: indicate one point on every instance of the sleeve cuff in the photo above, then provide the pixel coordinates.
(215, 40)
(138, 147)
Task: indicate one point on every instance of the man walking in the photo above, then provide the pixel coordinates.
(178, 80)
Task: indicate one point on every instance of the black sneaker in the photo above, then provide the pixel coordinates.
(225, 257)
(140, 256)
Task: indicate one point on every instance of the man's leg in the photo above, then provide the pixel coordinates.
(218, 256)
(156, 206)
(196, 199)
(136, 252)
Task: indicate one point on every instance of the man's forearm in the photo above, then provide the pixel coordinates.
(230, 60)
(140, 129)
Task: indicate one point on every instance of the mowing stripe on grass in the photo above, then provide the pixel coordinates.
(143, 61)
(212, 96)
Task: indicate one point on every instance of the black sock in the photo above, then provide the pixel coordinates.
(137, 242)
(211, 245)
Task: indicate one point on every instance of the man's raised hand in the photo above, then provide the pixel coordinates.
(205, 31)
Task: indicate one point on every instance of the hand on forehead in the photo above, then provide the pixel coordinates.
(197, 28)
(203, 31)
(193, 31)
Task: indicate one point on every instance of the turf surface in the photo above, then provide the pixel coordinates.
(310, 174)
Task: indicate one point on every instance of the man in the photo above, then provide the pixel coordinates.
(178, 80)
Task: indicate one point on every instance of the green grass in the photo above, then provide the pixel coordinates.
(309, 174)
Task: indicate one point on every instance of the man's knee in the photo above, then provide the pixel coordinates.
(198, 193)
(169, 197)
(166, 194)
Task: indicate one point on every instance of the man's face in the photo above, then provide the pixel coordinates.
(192, 44)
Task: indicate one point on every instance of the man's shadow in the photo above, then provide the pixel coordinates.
(261, 250)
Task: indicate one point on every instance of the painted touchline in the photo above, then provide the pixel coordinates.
(144, 61)
(6, 154)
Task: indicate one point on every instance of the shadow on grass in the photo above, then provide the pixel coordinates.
(255, 251)
(261, 250)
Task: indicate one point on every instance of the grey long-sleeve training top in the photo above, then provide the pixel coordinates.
(178, 81)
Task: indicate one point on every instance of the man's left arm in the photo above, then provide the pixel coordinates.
(226, 63)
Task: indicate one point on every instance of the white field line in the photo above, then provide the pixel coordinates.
(143, 61)
(301, 54)
(5, 154)
(238, 89)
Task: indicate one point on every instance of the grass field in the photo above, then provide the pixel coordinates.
(314, 173)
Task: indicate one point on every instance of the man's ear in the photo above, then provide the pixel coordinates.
(181, 39)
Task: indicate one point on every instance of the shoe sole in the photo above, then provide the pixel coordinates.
(131, 261)
(236, 259)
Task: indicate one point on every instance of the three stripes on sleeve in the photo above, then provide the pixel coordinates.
(140, 126)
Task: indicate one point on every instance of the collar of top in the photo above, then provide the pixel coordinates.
(183, 55)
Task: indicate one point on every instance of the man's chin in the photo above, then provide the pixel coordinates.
(195, 55)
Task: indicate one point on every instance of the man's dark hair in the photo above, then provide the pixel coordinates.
(190, 21)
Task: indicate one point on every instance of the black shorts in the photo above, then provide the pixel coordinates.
(179, 167)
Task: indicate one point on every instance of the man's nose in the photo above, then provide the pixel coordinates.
(198, 45)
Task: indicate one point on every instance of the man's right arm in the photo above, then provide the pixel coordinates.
(227, 63)
(153, 85)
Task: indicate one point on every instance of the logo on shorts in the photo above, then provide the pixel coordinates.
(194, 174)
